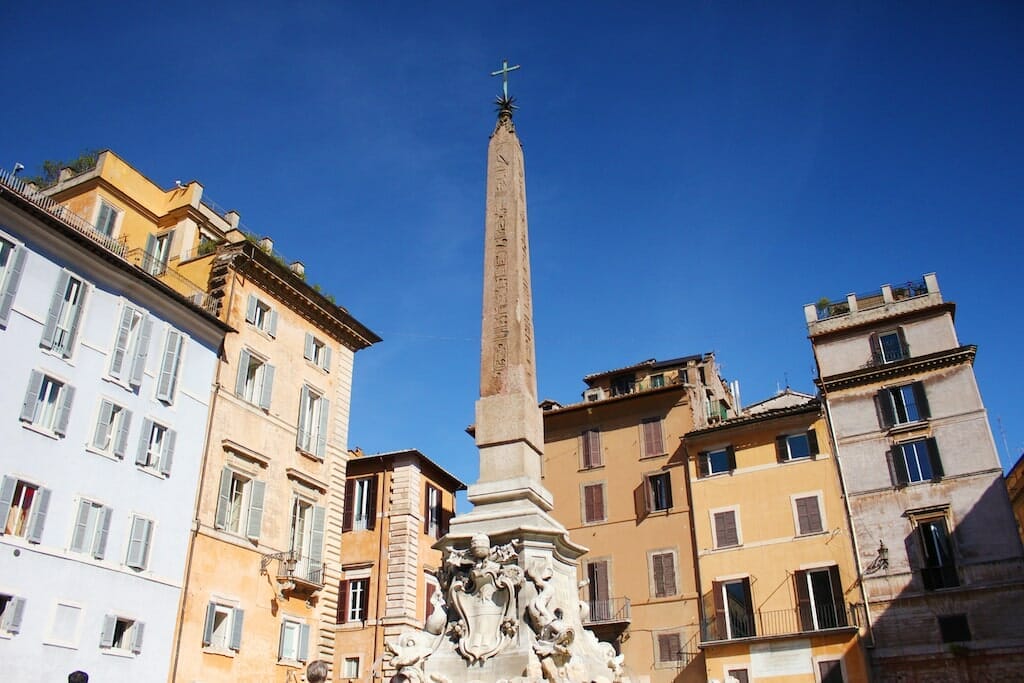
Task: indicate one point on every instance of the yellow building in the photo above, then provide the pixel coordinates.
(261, 590)
(397, 506)
(614, 464)
(780, 599)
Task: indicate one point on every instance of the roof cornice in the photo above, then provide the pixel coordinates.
(909, 366)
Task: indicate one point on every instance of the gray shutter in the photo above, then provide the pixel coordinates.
(321, 437)
(142, 456)
(149, 262)
(167, 457)
(103, 424)
(223, 499)
(67, 395)
(37, 519)
(934, 459)
(107, 636)
(138, 543)
(255, 517)
(76, 318)
(137, 631)
(300, 435)
(103, 532)
(250, 309)
(327, 358)
(307, 351)
(13, 614)
(243, 371)
(303, 642)
(119, 355)
(56, 303)
(169, 367)
(7, 487)
(272, 327)
(141, 351)
(28, 407)
(121, 443)
(267, 388)
(81, 524)
(211, 614)
(237, 617)
(11, 286)
(316, 539)
(280, 641)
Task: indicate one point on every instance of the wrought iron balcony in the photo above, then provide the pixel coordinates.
(766, 624)
(612, 610)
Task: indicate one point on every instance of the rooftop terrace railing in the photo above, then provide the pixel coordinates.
(830, 308)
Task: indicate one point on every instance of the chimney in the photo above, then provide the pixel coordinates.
(266, 244)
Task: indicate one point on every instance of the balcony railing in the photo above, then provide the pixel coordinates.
(827, 308)
(158, 268)
(761, 624)
(301, 571)
(609, 611)
(61, 212)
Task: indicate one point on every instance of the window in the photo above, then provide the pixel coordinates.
(954, 628)
(915, 461)
(307, 539)
(92, 525)
(294, 641)
(796, 446)
(23, 506)
(360, 503)
(111, 434)
(590, 447)
(47, 403)
(317, 352)
(807, 513)
(156, 447)
(623, 384)
(240, 504)
(653, 442)
(433, 513)
(139, 543)
(12, 609)
(658, 491)
(738, 675)
(819, 595)
(128, 358)
(66, 622)
(903, 405)
(120, 633)
(170, 365)
(12, 262)
(710, 463)
(312, 429)
(106, 219)
(65, 313)
(158, 250)
(600, 590)
(727, 533)
(670, 648)
(889, 346)
(353, 597)
(255, 379)
(260, 315)
(350, 667)
(657, 381)
(223, 628)
(734, 609)
(663, 574)
(939, 567)
(593, 503)
(831, 671)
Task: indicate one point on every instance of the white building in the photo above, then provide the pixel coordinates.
(102, 420)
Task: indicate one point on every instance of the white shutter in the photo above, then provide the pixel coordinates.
(37, 518)
(327, 358)
(255, 517)
(28, 407)
(107, 636)
(321, 436)
(167, 457)
(7, 486)
(119, 354)
(56, 304)
(237, 616)
(12, 615)
(169, 367)
(250, 309)
(67, 395)
(316, 539)
(121, 444)
(243, 373)
(103, 531)
(267, 386)
(307, 352)
(76, 317)
(141, 351)
(223, 499)
(103, 425)
(81, 524)
(272, 327)
(142, 455)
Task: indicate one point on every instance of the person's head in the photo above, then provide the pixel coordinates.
(316, 672)
(78, 677)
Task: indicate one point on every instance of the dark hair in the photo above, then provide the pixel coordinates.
(317, 671)
(78, 677)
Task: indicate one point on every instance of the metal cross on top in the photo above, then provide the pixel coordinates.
(503, 72)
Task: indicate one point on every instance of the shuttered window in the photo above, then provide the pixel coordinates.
(808, 515)
(726, 530)
(92, 527)
(170, 366)
(593, 503)
(62, 320)
(670, 648)
(111, 433)
(23, 508)
(591, 448)
(653, 437)
(47, 403)
(663, 574)
(12, 263)
(139, 543)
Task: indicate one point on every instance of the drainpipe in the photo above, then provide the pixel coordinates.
(199, 496)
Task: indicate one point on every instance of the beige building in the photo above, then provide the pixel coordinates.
(261, 589)
(617, 470)
(1015, 487)
(933, 528)
(397, 506)
(778, 582)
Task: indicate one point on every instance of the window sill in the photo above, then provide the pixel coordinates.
(290, 663)
(67, 645)
(146, 469)
(307, 454)
(104, 454)
(652, 456)
(221, 652)
(591, 468)
(124, 654)
(724, 548)
(39, 430)
(908, 427)
(319, 367)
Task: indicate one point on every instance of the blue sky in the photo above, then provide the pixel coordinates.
(696, 171)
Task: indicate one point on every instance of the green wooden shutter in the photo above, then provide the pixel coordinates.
(17, 264)
(812, 442)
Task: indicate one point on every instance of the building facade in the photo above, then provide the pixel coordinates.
(934, 532)
(397, 506)
(780, 596)
(103, 426)
(615, 466)
(260, 592)
(1015, 488)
